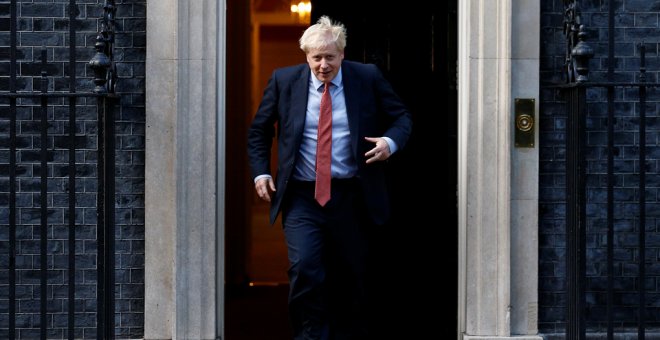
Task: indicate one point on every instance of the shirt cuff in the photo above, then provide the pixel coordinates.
(391, 144)
(260, 177)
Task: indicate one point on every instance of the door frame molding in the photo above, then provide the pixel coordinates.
(497, 201)
(498, 61)
(184, 169)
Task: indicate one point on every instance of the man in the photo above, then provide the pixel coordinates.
(337, 122)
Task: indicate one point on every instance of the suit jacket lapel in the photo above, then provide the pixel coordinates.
(299, 93)
(352, 97)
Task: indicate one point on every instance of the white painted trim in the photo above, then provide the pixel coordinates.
(160, 188)
(504, 143)
(181, 169)
(221, 49)
(496, 62)
(463, 105)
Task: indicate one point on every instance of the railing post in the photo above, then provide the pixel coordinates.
(105, 76)
(575, 214)
(100, 64)
(581, 54)
(641, 325)
(12, 170)
(578, 53)
(106, 218)
(43, 202)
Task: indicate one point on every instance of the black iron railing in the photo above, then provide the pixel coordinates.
(578, 54)
(104, 93)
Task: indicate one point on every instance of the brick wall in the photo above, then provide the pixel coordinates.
(636, 21)
(44, 23)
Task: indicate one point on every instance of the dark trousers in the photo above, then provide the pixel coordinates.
(327, 249)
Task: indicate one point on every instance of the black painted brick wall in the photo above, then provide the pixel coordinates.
(636, 21)
(45, 23)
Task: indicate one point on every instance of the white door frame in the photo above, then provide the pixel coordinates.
(185, 167)
(498, 62)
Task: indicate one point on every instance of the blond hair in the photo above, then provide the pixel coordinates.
(322, 34)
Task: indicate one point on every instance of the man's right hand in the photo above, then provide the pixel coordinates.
(264, 187)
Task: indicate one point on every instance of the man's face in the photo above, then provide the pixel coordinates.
(325, 62)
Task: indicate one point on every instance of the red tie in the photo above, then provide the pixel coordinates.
(324, 149)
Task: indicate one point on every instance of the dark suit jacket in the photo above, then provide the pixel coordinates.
(373, 110)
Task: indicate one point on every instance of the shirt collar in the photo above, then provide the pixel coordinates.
(336, 81)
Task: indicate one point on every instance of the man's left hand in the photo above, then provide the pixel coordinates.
(380, 152)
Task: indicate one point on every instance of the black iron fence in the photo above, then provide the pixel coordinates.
(580, 312)
(59, 181)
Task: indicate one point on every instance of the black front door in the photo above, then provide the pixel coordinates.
(416, 48)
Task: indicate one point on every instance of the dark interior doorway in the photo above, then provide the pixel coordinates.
(416, 48)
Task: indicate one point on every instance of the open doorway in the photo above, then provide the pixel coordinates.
(416, 48)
